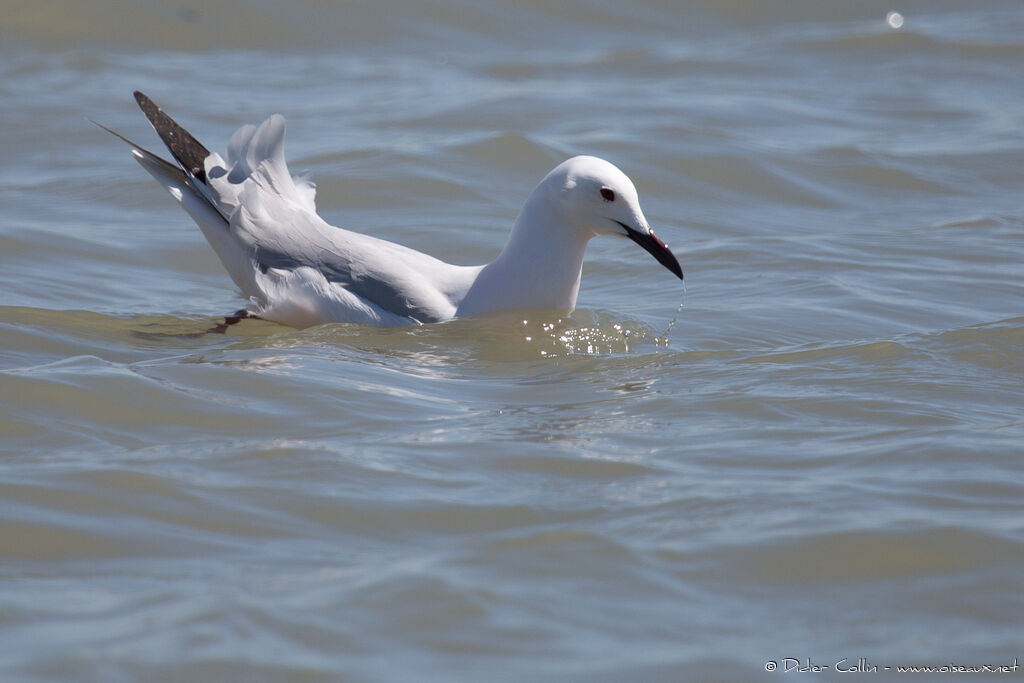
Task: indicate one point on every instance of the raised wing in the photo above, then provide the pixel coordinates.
(272, 224)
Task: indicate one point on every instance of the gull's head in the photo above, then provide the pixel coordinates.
(596, 198)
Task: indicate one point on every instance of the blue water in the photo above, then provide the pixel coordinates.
(813, 453)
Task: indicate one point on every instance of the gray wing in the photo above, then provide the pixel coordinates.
(274, 215)
(395, 278)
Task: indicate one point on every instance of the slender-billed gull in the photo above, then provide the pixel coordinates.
(298, 270)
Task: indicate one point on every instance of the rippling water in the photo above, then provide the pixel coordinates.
(814, 453)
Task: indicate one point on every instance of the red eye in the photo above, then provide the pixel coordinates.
(608, 194)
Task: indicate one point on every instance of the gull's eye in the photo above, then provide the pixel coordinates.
(608, 194)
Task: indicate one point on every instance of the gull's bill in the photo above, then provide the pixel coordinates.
(653, 245)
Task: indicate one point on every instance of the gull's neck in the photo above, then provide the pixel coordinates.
(539, 267)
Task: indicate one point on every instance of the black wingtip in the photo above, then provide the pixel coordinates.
(186, 150)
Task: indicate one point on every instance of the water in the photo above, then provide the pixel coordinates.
(819, 460)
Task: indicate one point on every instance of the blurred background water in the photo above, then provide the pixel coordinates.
(820, 459)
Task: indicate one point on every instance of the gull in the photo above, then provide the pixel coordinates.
(296, 269)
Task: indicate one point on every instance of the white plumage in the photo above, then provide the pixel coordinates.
(298, 270)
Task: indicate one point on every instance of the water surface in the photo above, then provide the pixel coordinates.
(819, 459)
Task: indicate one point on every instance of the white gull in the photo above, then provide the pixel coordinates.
(298, 270)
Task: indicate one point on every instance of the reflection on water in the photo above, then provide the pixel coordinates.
(818, 455)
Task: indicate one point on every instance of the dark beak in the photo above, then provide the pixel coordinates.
(655, 247)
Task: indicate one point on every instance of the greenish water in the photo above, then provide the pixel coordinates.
(820, 459)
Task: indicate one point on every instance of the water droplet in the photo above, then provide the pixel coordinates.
(894, 19)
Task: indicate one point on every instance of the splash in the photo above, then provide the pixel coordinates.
(663, 338)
